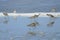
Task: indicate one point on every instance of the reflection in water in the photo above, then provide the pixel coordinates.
(17, 38)
(51, 23)
(31, 33)
(15, 17)
(33, 24)
(42, 34)
(5, 21)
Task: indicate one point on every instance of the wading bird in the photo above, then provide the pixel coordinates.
(5, 13)
(53, 10)
(15, 17)
(52, 16)
(35, 16)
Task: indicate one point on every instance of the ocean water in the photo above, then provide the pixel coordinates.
(29, 6)
(17, 29)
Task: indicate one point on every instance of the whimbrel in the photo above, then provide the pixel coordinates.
(35, 16)
(52, 16)
(5, 13)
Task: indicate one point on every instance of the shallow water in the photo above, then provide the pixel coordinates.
(17, 29)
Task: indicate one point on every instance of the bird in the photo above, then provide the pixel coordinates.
(15, 17)
(33, 24)
(50, 23)
(5, 13)
(53, 9)
(14, 11)
(50, 15)
(35, 16)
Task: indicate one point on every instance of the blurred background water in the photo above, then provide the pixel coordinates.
(17, 29)
(29, 6)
